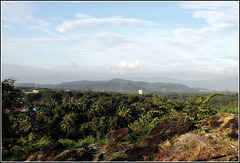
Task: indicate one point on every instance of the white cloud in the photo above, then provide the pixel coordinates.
(17, 12)
(70, 66)
(215, 13)
(129, 65)
(215, 18)
(22, 13)
(90, 23)
(7, 26)
(218, 37)
(183, 52)
(39, 28)
(206, 52)
(42, 23)
(229, 7)
(83, 16)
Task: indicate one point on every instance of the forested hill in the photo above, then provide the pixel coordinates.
(116, 85)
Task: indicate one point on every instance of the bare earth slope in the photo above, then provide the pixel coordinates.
(217, 140)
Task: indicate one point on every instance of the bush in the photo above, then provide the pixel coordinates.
(21, 149)
(103, 142)
(71, 144)
(67, 143)
(228, 110)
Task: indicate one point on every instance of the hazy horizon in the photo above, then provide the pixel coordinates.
(54, 42)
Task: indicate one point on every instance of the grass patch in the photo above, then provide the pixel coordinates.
(71, 144)
(232, 110)
(103, 142)
(84, 142)
(67, 143)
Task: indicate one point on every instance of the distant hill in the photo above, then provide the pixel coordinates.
(220, 84)
(116, 85)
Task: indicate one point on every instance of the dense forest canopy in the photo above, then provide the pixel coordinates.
(80, 114)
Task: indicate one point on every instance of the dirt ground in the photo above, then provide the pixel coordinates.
(118, 134)
(193, 147)
(138, 154)
(166, 131)
(216, 141)
(57, 152)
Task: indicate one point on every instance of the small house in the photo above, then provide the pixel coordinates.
(140, 92)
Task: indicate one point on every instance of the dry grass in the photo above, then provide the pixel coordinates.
(118, 150)
(225, 120)
(167, 143)
(213, 144)
(193, 147)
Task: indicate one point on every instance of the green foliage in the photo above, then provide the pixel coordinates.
(143, 126)
(118, 85)
(67, 143)
(6, 125)
(198, 109)
(79, 118)
(103, 141)
(130, 137)
(68, 123)
(211, 96)
(11, 96)
(21, 149)
(71, 144)
(226, 109)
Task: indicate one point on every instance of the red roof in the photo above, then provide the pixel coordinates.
(18, 109)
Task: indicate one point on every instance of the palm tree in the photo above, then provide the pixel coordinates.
(68, 124)
(22, 124)
(124, 112)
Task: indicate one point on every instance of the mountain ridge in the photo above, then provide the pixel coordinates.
(117, 84)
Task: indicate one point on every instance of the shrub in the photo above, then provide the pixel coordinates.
(225, 109)
(67, 143)
(103, 142)
(71, 144)
(21, 149)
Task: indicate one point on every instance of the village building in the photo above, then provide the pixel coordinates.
(33, 91)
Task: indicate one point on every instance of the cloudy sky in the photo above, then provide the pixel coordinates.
(53, 42)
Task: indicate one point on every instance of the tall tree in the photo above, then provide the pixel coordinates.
(10, 95)
(10, 98)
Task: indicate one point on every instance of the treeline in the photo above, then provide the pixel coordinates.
(80, 114)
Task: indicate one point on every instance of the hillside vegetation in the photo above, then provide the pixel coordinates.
(92, 125)
(116, 85)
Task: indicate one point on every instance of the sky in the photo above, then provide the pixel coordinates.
(54, 42)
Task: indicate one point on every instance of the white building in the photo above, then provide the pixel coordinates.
(35, 91)
(140, 91)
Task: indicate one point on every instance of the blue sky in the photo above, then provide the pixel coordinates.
(53, 42)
